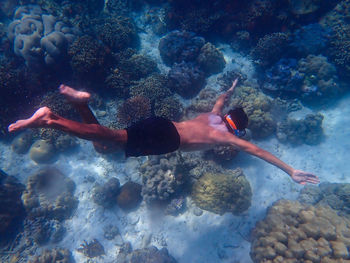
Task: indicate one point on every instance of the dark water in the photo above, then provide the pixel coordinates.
(62, 200)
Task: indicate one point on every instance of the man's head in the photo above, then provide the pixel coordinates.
(236, 121)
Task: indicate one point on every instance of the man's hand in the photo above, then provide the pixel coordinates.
(234, 83)
(302, 177)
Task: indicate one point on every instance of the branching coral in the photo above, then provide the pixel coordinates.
(88, 57)
(293, 232)
(117, 33)
(133, 110)
(170, 108)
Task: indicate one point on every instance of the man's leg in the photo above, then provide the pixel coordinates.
(79, 99)
(45, 118)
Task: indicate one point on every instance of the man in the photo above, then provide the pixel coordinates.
(158, 135)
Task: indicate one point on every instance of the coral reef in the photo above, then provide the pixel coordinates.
(335, 195)
(222, 154)
(144, 255)
(54, 255)
(133, 110)
(310, 39)
(270, 48)
(210, 59)
(117, 33)
(320, 81)
(42, 152)
(203, 102)
(151, 255)
(283, 77)
(22, 142)
(11, 209)
(40, 231)
(38, 37)
(129, 196)
(176, 206)
(106, 194)
(308, 130)
(162, 178)
(178, 46)
(92, 249)
(138, 66)
(119, 82)
(170, 108)
(49, 194)
(258, 108)
(293, 232)
(186, 79)
(65, 142)
(152, 87)
(222, 192)
(88, 57)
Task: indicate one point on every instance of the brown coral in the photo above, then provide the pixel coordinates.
(294, 232)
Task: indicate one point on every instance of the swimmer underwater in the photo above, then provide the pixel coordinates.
(156, 135)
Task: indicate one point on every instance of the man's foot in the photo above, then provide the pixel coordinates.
(73, 95)
(39, 119)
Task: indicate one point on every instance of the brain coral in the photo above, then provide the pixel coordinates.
(38, 37)
(294, 232)
(49, 193)
(223, 192)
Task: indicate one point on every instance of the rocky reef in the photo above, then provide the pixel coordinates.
(220, 193)
(295, 232)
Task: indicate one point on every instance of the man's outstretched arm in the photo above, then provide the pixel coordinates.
(298, 176)
(219, 104)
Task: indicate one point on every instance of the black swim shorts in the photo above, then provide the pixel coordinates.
(152, 136)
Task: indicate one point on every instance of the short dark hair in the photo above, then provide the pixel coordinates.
(239, 117)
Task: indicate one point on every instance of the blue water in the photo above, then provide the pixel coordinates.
(61, 197)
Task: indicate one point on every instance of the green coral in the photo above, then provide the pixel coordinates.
(308, 130)
(223, 192)
(210, 59)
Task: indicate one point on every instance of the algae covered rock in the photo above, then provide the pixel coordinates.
(22, 142)
(223, 192)
(42, 152)
(129, 196)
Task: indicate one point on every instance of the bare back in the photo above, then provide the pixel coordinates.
(201, 133)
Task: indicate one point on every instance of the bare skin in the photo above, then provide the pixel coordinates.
(203, 132)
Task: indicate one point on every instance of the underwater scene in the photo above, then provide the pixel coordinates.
(174, 131)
